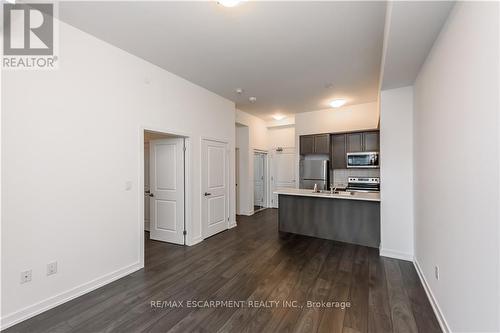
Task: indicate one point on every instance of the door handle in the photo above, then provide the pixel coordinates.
(207, 194)
(151, 195)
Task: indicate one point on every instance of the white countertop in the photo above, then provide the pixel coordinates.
(372, 196)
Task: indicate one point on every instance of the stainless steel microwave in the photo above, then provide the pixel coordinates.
(363, 160)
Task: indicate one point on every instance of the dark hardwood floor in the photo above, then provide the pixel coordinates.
(251, 263)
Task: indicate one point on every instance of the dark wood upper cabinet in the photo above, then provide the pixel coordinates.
(338, 158)
(354, 142)
(371, 141)
(322, 144)
(315, 144)
(337, 145)
(307, 144)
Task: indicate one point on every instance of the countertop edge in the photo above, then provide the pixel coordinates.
(326, 196)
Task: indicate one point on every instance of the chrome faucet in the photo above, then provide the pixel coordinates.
(332, 189)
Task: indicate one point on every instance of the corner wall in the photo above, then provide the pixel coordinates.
(257, 138)
(457, 167)
(396, 173)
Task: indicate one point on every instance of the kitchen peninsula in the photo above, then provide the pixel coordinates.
(351, 217)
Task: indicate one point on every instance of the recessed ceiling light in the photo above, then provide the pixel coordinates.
(229, 3)
(336, 103)
(239, 91)
(279, 116)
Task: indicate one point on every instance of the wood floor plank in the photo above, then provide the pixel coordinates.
(310, 317)
(401, 312)
(379, 312)
(421, 307)
(252, 263)
(356, 316)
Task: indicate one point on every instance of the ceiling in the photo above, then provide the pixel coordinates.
(292, 56)
(412, 28)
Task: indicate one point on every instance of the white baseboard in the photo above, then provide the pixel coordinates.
(194, 241)
(232, 225)
(249, 213)
(435, 305)
(395, 254)
(51, 302)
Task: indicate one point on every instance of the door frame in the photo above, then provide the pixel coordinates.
(188, 226)
(228, 182)
(237, 178)
(267, 200)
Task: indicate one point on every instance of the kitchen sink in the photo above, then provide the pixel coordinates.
(343, 193)
(337, 192)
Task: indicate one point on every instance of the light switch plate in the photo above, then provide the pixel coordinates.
(52, 268)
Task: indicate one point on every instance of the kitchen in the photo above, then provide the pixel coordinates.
(339, 189)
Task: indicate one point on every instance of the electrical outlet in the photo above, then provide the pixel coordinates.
(52, 268)
(436, 272)
(26, 276)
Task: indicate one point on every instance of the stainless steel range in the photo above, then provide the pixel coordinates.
(363, 184)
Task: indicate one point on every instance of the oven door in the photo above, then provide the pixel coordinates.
(362, 160)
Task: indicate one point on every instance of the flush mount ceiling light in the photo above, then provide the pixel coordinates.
(336, 103)
(252, 99)
(278, 116)
(229, 3)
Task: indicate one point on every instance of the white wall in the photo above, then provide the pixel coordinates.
(257, 139)
(457, 168)
(396, 173)
(70, 141)
(283, 136)
(347, 118)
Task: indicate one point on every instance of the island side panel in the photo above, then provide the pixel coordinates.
(350, 221)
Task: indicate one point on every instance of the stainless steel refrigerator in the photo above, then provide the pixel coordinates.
(314, 172)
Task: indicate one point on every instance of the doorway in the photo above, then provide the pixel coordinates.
(164, 187)
(260, 180)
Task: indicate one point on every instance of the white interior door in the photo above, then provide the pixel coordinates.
(215, 178)
(166, 181)
(283, 169)
(259, 184)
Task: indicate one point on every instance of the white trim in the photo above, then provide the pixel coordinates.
(249, 213)
(395, 254)
(435, 305)
(232, 224)
(53, 301)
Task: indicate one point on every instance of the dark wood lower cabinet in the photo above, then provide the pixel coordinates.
(344, 220)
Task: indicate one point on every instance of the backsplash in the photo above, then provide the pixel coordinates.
(340, 175)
